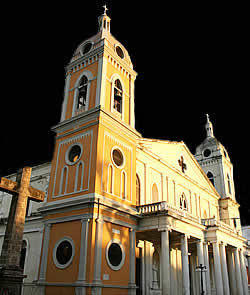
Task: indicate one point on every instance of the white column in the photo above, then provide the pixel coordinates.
(101, 82)
(185, 267)
(243, 272)
(217, 269)
(201, 261)
(132, 285)
(44, 259)
(238, 272)
(207, 273)
(98, 257)
(231, 273)
(66, 95)
(165, 262)
(83, 257)
(224, 269)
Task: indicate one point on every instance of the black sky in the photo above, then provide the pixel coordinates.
(190, 60)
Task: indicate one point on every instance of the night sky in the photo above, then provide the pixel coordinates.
(190, 60)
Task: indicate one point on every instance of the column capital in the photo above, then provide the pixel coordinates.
(200, 241)
(85, 220)
(185, 235)
(99, 220)
(164, 228)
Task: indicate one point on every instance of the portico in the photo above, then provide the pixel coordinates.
(162, 231)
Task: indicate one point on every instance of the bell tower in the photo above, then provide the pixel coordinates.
(215, 161)
(87, 86)
(89, 237)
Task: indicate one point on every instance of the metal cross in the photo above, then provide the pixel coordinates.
(182, 164)
(105, 9)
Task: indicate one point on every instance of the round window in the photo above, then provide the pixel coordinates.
(86, 48)
(207, 152)
(119, 51)
(73, 154)
(117, 157)
(63, 253)
(115, 255)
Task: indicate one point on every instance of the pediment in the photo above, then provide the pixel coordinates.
(178, 157)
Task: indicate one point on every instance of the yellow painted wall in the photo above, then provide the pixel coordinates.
(108, 140)
(58, 231)
(88, 157)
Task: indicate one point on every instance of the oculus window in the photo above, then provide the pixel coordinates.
(73, 154)
(63, 252)
(117, 157)
(115, 254)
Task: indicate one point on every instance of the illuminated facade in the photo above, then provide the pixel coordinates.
(126, 214)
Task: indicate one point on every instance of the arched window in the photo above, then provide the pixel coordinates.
(79, 176)
(183, 202)
(118, 92)
(23, 254)
(64, 181)
(138, 191)
(82, 93)
(210, 177)
(155, 197)
(110, 179)
(124, 184)
(229, 184)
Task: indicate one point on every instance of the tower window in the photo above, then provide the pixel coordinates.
(86, 48)
(118, 96)
(210, 177)
(119, 51)
(82, 93)
(207, 152)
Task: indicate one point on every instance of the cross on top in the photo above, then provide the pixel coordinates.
(182, 164)
(105, 9)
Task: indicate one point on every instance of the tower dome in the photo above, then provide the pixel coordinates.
(215, 161)
(211, 146)
(91, 46)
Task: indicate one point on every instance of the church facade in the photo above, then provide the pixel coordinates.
(125, 214)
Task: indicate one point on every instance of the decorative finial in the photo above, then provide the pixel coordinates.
(105, 9)
(209, 127)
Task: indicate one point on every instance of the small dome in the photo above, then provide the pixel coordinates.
(102, 38)
(210, 147)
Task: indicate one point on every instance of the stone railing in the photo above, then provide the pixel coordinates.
(159, 207)
(214, 222)
(152, 208)
(209, 222)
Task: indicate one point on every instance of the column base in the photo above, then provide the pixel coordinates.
(132, 289)
(11, 279)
